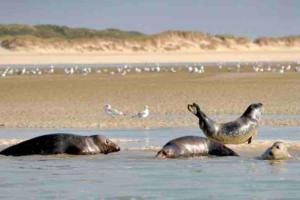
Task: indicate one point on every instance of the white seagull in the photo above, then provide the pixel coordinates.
(143, 114)
(112, 111)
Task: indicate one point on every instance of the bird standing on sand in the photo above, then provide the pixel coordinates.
(111, 111)
(143, 114)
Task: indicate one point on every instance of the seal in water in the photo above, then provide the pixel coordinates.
(278, 151)
(62, 143)
(239, 131)
(190, 146)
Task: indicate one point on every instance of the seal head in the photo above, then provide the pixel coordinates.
(253, 112)
(278, 151)
(104, 144)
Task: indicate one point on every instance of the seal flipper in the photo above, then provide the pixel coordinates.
(193, 108)
(218, 149)
(207, 125)
(250, 140)
(74, 150)
(223, 152)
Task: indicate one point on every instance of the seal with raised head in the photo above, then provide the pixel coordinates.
(62, 143)
(278, 151)
(191, 146)
(238, 131)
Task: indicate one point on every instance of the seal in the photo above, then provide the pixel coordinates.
(278, 151)
(239, 131)
(62, 143)
(191, 146)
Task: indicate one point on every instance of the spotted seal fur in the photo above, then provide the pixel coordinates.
(238, 131)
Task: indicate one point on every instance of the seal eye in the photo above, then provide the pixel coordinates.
(277, 147)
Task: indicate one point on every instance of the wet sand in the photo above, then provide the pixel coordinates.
(62, 101)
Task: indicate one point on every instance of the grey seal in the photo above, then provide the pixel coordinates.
(238, 131)
(278, 151)
(62, 143)
(191, 146)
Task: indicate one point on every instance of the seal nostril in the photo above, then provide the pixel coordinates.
(270, 153)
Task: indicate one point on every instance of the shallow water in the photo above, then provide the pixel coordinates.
(133, 173)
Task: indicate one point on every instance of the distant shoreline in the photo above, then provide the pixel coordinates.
(53, 44)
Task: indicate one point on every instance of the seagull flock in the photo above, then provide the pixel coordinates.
(113, 112)
(193, 68)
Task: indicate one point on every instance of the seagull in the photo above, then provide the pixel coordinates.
(138, 70)
(143, 114)
(111, 111)
(172, 70)
(157, 68)
(23, 71)
(51, 70)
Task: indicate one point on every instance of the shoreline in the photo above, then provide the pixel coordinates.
(274, 123)
(8, 57)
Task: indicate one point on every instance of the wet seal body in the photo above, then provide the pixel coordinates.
(62, 143)
(239, 131)
(191, 146)
(278, 151)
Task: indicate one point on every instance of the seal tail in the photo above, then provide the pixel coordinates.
(194, 108)
(230, 152)
(222, 150)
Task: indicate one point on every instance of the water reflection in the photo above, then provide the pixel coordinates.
(279, 166)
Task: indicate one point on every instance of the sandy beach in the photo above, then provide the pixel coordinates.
(62, 101)
(48, 57)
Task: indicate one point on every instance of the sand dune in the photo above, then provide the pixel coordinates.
(26, 44)
(164, 48)
(170, 41)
